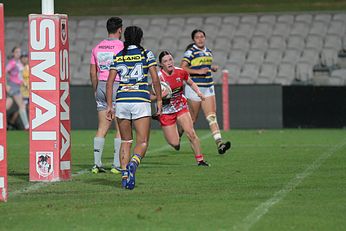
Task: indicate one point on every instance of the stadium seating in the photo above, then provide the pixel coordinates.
(256, 48)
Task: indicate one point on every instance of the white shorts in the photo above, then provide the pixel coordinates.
(132, 111)
(191, 94)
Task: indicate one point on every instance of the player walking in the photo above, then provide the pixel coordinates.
(175, 109)
(133, 100)
(197, 62)
(101, 59)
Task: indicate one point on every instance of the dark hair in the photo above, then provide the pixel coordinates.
(189, 46)
(195, 31)
(113, 24)
(163, 53)
(15, 48)
(133, 36)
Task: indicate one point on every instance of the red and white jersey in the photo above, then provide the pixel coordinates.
(176, 81)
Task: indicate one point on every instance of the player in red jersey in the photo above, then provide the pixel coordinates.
(175, 109)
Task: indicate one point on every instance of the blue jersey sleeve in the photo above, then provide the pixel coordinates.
(151, 59)
(188, 56)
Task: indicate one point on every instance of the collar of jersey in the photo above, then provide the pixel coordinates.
(111, 39)
(132, 47)
(205, 48)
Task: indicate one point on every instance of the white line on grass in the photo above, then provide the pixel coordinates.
(39, 185)
(263, 208)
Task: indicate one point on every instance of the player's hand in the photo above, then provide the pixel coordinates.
(110, 113)
(203, 71)
(201, 96)
(214, 68)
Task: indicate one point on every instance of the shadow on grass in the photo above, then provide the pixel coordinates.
(23, 176)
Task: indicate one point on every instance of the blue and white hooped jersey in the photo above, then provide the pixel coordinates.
(133, 70)
(198, 59)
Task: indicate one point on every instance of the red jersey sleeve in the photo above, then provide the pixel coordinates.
(185, 75)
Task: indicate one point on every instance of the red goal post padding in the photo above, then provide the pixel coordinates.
(3, 122)
(50, 157)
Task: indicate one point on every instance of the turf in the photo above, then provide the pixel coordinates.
(172, 193)
(145, 7)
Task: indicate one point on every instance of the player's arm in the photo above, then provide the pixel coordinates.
(157, 87)
(185, 65)
(195, 88)
(93, 76)
(109, 94)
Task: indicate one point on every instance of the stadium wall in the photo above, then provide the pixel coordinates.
(251, 107)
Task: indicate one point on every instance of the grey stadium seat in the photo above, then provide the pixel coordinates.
(310, 56)
(269, 19)
(245, 30)
(295, 42)
(188, 28)
(277, 42)
(273, 56)
(291, 56)
(220, 57)
(250, 19)
(234, 73)
(168, 43)
(160, 22)
(222, 43)
(341, 17)
(304, 71)
(211, 31)
(141, 22)
(99, 23)
(255, 56)
(286, 74)
(318, 28)
(234, 20)
(339, 74)
(300, 29)
(173, 31)
(195, 21)
(240, 43)
(151, 43)
(263, 29)
(333, 41)
(237, 57)
(282, 29)
(336, 28)
(306, 18)
(325, 18)
(100, 33)
(153, 31)
(249, 73)
(227, 30)
(213, 20)
(314, 42)
(179, 21)
(89, 23)
(288, 19)
(14, 24)
(259, 42)
(84, 33)
(183, 42)
(267, 73)
(329, 57)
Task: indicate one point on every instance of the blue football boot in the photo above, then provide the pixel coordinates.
(131, 168)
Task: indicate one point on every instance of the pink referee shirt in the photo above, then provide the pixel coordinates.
(102, 55)
(15, 70)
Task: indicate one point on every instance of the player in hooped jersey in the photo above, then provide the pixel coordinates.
(101, 59)
(197, 62)
(133, 107)
(175, 109)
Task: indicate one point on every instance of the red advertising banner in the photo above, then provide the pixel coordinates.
(50, 143)
(3, 122)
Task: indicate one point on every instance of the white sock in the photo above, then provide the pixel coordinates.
(117, 143)
(98, 149)
(24, 117)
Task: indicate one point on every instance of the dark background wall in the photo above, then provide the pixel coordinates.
(251, 106)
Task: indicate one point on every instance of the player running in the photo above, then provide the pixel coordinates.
(133, 100)
(197, 62)
(175, 109)
(14, 69)
(101, 59)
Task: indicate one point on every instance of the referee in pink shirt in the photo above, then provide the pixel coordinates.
(101, 59)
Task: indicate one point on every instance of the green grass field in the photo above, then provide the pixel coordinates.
(157, 7)
(271, 180)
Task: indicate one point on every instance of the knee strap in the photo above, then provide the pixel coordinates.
(212, 119)
(127, 141)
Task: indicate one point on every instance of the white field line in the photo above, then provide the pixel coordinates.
(263, 208)
(36, 186)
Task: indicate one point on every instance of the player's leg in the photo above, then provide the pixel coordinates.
(99, 140)
(186, 123)
(125, 128)
(171, 135)
(117, 143)
(18, 98)
(209, 109)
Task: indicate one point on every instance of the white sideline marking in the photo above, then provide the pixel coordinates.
(263, 208)
(39, 185)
